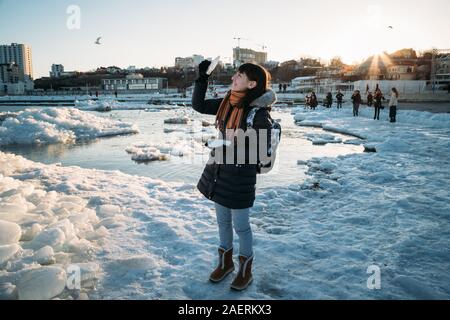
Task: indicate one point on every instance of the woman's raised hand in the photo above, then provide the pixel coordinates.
(202, 68)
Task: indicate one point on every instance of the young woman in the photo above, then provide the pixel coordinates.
(393, 102)
(231, 184)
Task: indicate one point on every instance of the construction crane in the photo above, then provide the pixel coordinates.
(239, 40)
(238, 58)
(262, 45)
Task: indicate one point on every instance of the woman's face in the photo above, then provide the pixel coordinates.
(241, 82)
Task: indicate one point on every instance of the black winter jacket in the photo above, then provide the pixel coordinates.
(229, 184)
(356, 98)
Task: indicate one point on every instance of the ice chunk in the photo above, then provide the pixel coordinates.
(88, 270)
(150, 155)
(179, 146)
(112, 222)
(65, 226)
(7, 252)
(181, 120)
(36, 197)
(13, 208)
(53, 237)
(299, 117)
(19, 218)
(327, 166)
(9, 232)
(44, 256)
(81, 247)
(108, 210)
(8, 291)
(42, 284)
(321, 139)
(97, 234)
(59, 125)
(31, 232)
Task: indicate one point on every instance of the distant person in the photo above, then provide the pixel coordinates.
(356, 98)
(280, 87)
(284, 87)
(339, 98)
(370, 99)
(329, 100)
(307, 101)
(367, 88)
(313, 101)
(393, 103)
(90, 94)
(96, 94)
(115, 93)
(378, 97)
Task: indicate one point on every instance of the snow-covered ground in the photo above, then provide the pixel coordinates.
(151, 239)
(58, 125)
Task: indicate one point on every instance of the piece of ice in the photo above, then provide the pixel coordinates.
(42, 283)
(9, 232)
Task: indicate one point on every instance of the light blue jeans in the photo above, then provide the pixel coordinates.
(239, 219)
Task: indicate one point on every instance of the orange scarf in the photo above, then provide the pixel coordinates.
(231, 101)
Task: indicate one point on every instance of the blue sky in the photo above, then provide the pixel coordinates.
(153, 33)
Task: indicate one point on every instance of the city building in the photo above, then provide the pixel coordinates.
(197, 58)
(57, 70)
(10, 82)
(19, 54)
(113, 69)
(404, 71)
(135, 81)
(304, 84)
(242, 55)
(188, 62)
(9, 73)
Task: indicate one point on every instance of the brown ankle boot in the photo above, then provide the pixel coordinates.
(244, 276)
(225, 266)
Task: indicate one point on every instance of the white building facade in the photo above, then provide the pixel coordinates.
(134, 82)
(19, 54)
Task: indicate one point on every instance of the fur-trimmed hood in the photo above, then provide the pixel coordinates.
(266, 100)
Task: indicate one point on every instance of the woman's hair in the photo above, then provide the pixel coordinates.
(262, 78)
(395, 91)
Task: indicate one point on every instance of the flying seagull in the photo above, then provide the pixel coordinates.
(391, 27)
(98, 40)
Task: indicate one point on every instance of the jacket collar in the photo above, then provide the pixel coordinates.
(266, 100)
